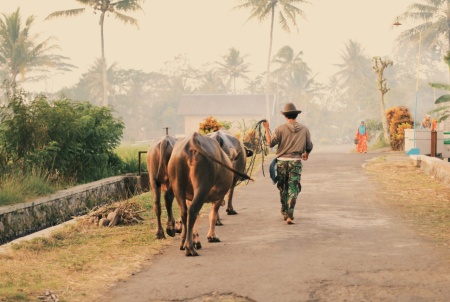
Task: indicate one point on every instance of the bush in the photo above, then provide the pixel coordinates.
(75, 140)
(209, 125)
(399, 119)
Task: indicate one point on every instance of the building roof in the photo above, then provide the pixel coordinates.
(223, 104)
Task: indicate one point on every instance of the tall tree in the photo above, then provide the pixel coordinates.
(355, 74)
(431, 19)
(20, 51)
(263, 9)
(294, 77)
(379, 65)
(115, 7)
(233, 67)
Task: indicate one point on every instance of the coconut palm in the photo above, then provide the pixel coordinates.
(355, 73)
(233, 67)
(263, 9)
(294, 77)
(431, 19)
(20, 51)
(115, 7)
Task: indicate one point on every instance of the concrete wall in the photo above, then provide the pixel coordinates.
(423, 140)
(22, 219)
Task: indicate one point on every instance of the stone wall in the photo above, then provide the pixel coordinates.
(22, 219)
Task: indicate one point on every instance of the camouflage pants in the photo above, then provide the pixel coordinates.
(288, 182)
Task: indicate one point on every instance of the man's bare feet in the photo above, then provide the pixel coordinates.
(290, 221)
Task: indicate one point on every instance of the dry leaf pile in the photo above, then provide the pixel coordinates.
(110, 215)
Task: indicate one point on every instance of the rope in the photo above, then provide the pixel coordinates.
(200, 150)
(258, 146)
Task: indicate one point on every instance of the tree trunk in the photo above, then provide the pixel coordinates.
(384, 120)
(268, 66)
(104, 81)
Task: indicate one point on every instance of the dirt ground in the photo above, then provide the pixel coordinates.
(348, 244)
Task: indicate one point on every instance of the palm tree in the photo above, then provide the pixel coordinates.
(20, 52)
(94, 80)
(354, 73)
(233, 67)
(294, 77)
(431, 19)
(116, 8)
(263, 9)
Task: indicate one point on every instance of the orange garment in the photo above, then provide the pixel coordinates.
(361, 147)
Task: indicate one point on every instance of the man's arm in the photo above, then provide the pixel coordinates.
(268, 138)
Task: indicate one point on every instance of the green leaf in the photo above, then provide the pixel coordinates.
(440, 86)
(443, 99)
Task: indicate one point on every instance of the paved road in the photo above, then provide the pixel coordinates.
(345, 246)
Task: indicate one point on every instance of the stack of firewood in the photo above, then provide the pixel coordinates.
(117, 213)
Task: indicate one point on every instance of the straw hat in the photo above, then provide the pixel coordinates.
(289, 108)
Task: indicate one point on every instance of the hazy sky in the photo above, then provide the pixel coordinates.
(204, 30)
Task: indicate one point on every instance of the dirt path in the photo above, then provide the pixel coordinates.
(345, 246)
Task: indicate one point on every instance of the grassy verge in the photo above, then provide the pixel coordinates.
(79, 261)
(421, 200)
(17, 188)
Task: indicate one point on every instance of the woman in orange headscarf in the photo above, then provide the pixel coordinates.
(362, 136)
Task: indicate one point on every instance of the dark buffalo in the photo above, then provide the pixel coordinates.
(158, 155)
(238, 154)
(199, 172)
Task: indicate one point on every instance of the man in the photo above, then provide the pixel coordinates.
(294, 144)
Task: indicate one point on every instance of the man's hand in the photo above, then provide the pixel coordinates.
(305, 155)
(266, 125)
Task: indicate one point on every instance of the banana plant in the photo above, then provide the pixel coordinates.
(443, 111)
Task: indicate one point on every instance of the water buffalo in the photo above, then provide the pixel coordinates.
(198, 173)
(158, 155)
(238, 155)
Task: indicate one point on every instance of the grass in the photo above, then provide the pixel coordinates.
(79, 261)
(130, 158)
(416, 196)
(17, 188)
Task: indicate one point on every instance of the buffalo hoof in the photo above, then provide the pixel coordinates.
(213, 239)
(218, 222)
(160, 235)
(170, 232)
(191, 252)
(197, 245)
(231, 212)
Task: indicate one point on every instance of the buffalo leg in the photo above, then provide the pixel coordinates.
(230, 210)
(218, 221)
(192, 215)
(168, 197)
(196, 237)
(181, 199)
(212, 222)
(157, 206)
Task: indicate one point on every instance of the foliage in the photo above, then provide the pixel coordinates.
(233, 67)
(209, 125)
(16, 187)
(105, 8)
(399, 119)
(73, 139)
(21, 53)
(129, 155)
(443, 110)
